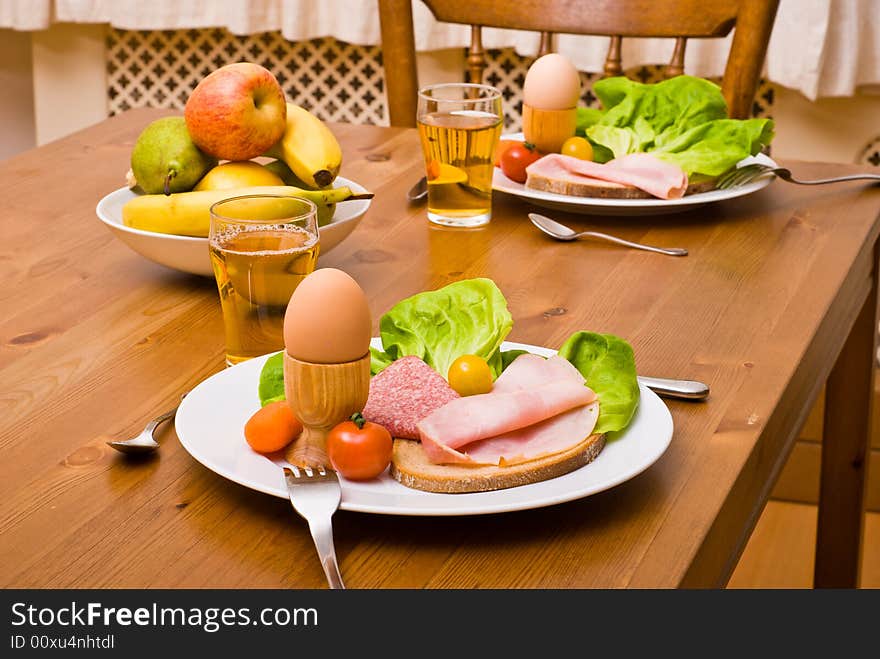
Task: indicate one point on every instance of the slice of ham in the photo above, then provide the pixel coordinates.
(551, 436)
(537, 407)
(639, 170)
(528, 370)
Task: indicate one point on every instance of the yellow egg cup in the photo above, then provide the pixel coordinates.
(548, 129)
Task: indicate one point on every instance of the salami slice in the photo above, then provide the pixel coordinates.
(405, 393)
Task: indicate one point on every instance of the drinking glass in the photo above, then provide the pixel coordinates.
(262, 247)
(459, 125)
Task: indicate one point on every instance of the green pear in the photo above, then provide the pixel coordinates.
(165, 159)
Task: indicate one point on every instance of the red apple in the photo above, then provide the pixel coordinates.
(237, 112)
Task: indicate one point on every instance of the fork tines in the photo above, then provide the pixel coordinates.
(308, 471)
(741, 176)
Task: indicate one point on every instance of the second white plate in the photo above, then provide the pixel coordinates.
(211, 419)
(595, 206)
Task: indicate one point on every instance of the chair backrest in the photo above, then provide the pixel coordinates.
(678, 19)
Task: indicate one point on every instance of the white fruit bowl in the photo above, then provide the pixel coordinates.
(189, 254)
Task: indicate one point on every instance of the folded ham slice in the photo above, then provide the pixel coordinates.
(537, 407)
(529, 370)
(639, 170)
(548, 437)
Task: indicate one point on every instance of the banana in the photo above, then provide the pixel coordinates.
(309, 148)
(282, 171)
(187, 213)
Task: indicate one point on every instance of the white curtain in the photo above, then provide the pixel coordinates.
(819, 47)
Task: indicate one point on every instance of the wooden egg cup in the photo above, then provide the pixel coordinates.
(548, 129)
(322, 395)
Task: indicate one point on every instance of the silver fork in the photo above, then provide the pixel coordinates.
(750, 173)
(315, 495)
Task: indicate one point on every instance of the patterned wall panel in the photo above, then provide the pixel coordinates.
(870, 155)
(336, 80)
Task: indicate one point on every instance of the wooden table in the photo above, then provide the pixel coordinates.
(777, 296)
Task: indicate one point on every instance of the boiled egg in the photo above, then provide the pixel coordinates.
(327, 320)
(552, 83)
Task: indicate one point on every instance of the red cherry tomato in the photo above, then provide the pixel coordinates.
(503, 145)
(515, 160)
(359, 449)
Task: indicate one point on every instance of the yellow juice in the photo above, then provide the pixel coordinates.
(257, 269)
(458, 148)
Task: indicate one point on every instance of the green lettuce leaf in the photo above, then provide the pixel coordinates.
(651, 109)
(586, 117)
(682, 120)
(609, 367)
(619, 141)
(714, 147)
(378, 360)
(468, 317)
(271, 387)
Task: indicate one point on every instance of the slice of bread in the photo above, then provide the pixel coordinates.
(411, 467)
(606, 189)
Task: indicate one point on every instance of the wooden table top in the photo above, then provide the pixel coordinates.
(95, 339)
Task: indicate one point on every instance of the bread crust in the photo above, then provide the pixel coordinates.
(603, 189)
(411, 467)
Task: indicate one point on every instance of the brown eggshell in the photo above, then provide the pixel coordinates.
(552, 83)
(327, 319)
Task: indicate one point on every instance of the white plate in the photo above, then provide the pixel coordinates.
(594, 206)
(210, 420)
(190, 254)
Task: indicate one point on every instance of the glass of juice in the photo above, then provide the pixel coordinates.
(459, 125)
(262, 247)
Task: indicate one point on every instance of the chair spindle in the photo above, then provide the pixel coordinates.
(476, 59)
(676, 64)
(613, 66)
(546, 45)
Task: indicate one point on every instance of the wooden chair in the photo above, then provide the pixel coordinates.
(678, 19)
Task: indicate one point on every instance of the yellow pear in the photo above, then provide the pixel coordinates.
(237, 174)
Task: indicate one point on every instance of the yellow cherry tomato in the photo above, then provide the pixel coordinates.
(469, 375)
(577, 147)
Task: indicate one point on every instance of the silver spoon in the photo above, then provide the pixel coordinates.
(419, 191)
(144, 442)
(561, 232)
(681, 389)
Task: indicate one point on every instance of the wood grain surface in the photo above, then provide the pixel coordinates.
(95, 340)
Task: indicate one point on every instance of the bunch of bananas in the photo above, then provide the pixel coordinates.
(308, 158)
